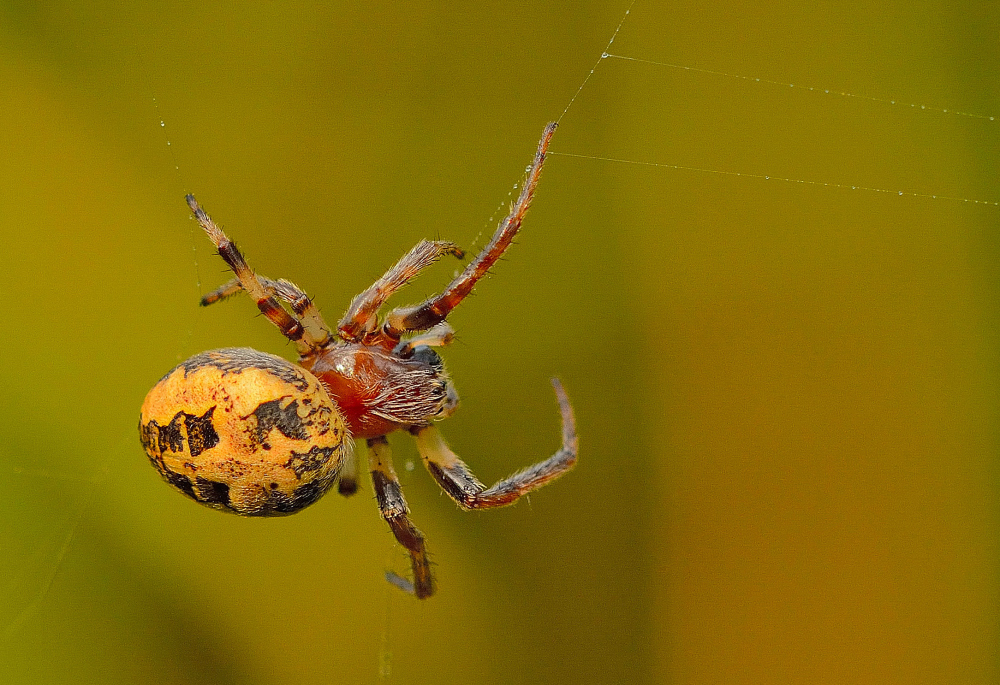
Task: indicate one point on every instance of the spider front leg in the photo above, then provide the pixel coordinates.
(394, 510)
(360, 322)
(461, 484)
(432, 312)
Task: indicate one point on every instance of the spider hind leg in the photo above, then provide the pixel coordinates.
(360, 322)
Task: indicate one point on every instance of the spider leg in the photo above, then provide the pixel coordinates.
(394, 510)
(285, 290)
(360, 320)
(428, 314)
(461, 484)
(347, 481)
(223, 291)
(290, 327)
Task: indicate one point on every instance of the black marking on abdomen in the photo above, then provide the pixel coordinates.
(170, 436)
(211, 491)
(179, 481)
(315, 458)
(201, 432)
(149, 435)
(305, 495)
(272, 415)
(301, 497)
(237, 359)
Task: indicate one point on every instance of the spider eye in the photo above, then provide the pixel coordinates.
(427, 355)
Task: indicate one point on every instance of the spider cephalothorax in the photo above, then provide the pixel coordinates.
(251, 433)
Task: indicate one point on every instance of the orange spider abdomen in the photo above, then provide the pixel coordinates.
(243, 431)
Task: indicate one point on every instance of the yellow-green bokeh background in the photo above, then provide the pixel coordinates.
(787, 394)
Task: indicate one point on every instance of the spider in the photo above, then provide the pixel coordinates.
(253, 434)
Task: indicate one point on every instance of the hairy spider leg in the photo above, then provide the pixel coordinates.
(432, 312)
(225, 291)
(461, 484)
(360, 321)
(347, 480)
(394, 510)
(285, 290)
(289, 326)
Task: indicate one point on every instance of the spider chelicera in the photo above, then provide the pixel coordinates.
(251, 433)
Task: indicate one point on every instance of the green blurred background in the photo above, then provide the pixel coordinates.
(787, 394)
